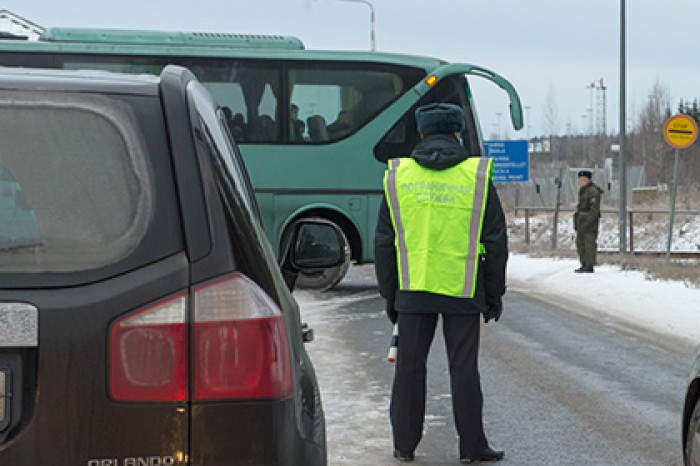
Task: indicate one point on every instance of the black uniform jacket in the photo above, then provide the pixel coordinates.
(441, 151)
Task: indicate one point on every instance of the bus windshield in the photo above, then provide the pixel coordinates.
(315, 128)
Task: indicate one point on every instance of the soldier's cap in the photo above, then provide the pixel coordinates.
(585, 173)
(439, 118)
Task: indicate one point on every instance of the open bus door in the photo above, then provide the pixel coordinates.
(445, 83)
(516, 109)
(422, 92)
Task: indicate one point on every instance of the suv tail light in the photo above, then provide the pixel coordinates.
(147, 353)
(240, 346)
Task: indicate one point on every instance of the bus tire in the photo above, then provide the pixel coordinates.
(325, 279)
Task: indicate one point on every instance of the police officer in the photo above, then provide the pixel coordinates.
(440, 249)
(586, 221)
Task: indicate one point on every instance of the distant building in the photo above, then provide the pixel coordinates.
(13, 26)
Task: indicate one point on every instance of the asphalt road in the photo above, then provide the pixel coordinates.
(559, 388)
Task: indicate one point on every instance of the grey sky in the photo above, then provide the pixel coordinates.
(562, 45)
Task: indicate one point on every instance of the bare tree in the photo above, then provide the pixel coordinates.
(551, 112)
(648, 148)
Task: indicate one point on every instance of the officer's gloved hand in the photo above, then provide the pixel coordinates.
(391, 312)
(494, 307)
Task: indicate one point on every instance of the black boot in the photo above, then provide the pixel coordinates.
(404, 457)
(487, 455)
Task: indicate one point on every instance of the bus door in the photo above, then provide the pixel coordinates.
(446, 84)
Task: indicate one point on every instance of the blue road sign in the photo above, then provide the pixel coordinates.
(511, 162)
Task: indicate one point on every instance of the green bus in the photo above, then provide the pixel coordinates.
(315, 127)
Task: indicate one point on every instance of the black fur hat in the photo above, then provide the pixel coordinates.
(439, 118)
(585, 173)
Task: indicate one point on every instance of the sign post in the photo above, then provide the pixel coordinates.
(680, 132)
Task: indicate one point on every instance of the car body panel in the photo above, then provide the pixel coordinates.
(692, 398)
(205, 226)
(80, 418)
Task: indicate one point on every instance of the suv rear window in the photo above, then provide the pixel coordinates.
(75, 186)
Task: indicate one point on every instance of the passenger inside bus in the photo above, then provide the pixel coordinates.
(296, 126)
(239, 125)
(267, 127)
(318, 131)
(341, 126)
(236, 124)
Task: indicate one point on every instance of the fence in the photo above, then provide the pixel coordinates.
(543, 190)
(631, 213)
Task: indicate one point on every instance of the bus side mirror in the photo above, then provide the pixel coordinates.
(313, 244)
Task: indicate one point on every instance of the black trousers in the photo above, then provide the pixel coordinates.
(407, 410)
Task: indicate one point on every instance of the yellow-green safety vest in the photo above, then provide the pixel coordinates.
(438, 216)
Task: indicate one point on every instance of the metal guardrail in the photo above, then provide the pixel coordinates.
(630, 223)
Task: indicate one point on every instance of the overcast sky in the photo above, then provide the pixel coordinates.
(544, 47)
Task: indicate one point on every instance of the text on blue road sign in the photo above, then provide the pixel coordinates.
(511, 162)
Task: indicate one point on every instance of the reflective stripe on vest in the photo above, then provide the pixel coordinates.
(438, 217)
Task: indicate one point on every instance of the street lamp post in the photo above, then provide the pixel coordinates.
(583, 137)
(590, 87)
(372, 41)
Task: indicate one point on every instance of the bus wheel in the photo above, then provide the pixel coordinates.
(325, 279)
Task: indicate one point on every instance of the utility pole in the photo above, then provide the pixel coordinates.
(590, 88)
(583, 137)
(602, 107)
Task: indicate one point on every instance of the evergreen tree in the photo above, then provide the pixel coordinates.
(690, 109)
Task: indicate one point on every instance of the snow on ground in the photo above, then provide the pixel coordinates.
(356, 405)
(665, 311)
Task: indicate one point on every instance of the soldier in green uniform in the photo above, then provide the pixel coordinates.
(586, 221)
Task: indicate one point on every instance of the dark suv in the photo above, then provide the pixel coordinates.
(143, 317)
(690, 427)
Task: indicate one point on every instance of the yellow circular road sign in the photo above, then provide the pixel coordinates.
(680, 131)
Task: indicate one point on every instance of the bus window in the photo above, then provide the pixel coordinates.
(328, 101)
(332, 103)
(400, 140)
(249, 90)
